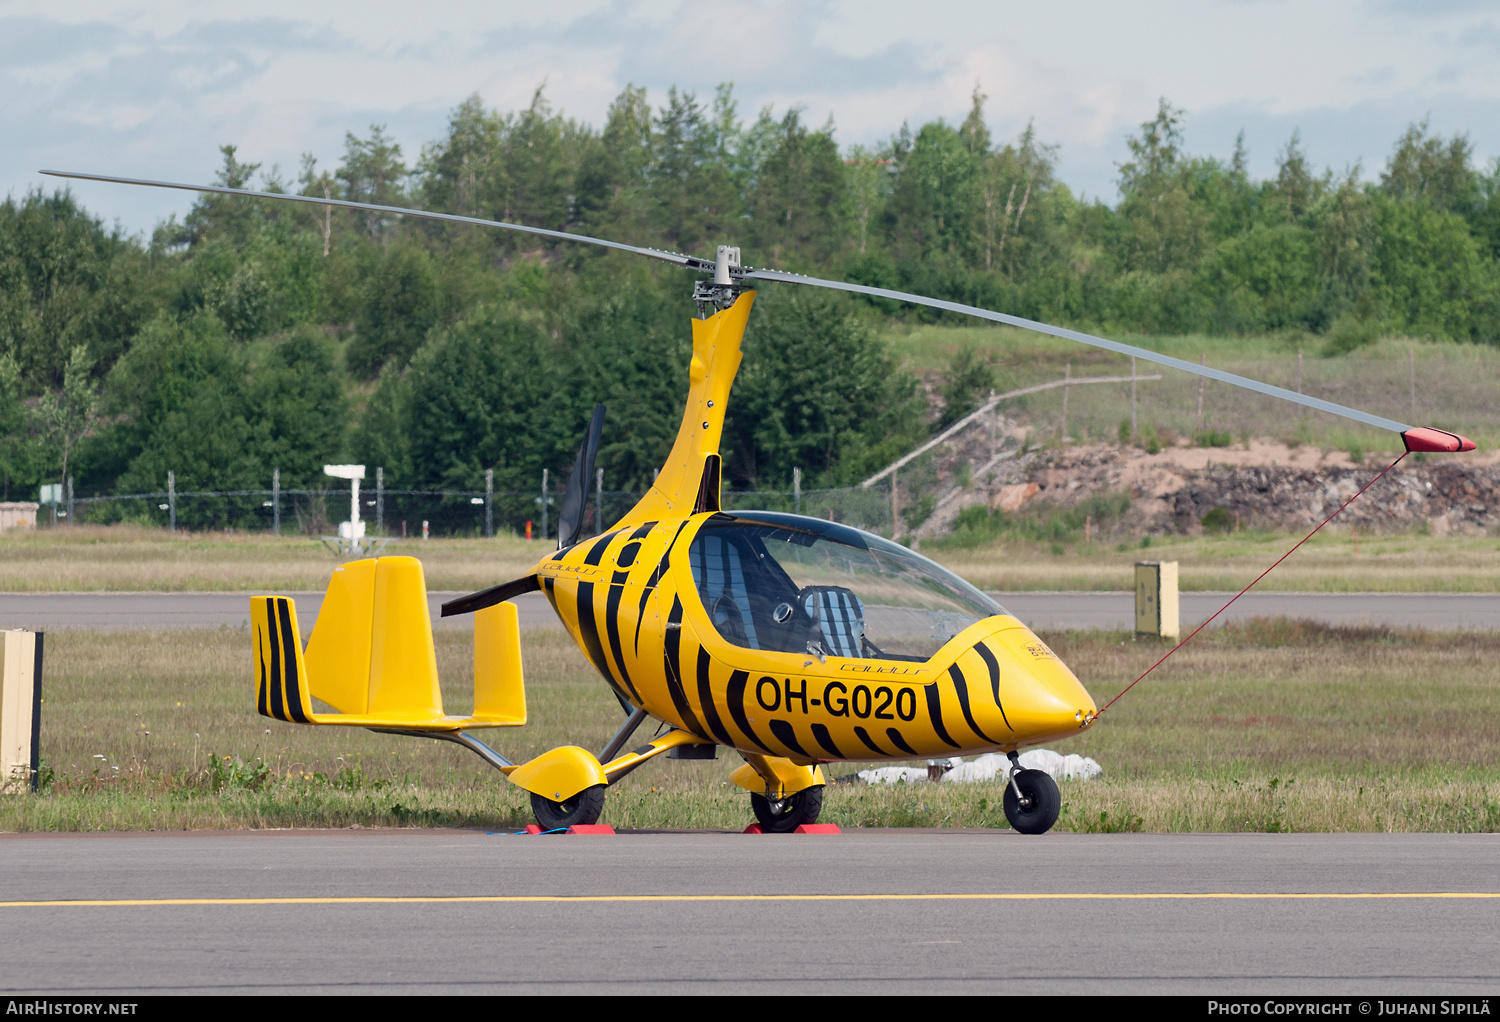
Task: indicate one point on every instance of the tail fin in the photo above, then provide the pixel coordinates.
(281, 688)
(371, 656)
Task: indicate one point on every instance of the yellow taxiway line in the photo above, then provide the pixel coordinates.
(591, 898)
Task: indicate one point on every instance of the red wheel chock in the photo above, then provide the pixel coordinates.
(804, 828)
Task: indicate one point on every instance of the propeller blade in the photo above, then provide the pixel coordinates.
(491, 596)
(692, 262)
(1144, 354)
(576, 497)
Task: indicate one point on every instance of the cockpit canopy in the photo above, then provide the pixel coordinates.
(801, 585)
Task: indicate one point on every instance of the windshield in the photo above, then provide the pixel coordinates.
(799, 585)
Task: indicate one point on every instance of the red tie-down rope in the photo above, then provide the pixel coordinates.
(1245, 590)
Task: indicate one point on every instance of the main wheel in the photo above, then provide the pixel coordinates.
(584, 807)
(1036, 810)
(784, 815)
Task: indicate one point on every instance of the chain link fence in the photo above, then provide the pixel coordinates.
(472, 513)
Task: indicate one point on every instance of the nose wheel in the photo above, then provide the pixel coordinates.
(1032, 801)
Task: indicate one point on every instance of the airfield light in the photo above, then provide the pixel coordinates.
(353, 528)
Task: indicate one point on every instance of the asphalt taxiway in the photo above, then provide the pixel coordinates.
(1041, 610)
(863, 912)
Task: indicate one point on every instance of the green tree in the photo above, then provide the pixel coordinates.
(484, 395)
(15, 428)
(400, 303)
(1431, 275)
(382, 434)
(65, 281)
(696, 199)
(933, 192)
(613, 196)
(817, 391)
(296, 408)
(66, 417)
(231, 219)
(626, 344)
(796, 200)
(1423, 166)
(1344, 228)
(179, 401)
(1161, 227)
(1296, 188)
(372, 172)
(969, 379)
(1263, 279)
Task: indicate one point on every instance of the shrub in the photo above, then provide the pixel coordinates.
(1348, 333)
(1218, 520)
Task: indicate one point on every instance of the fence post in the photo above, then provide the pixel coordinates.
(276, 501)
(544, 503)
(1412, 378)
(1067, 374)
(895, 521)
(1132, 396)
(70, 496)
(489, 503)
(172, 501)
(797, 490)
(1203, 361)
(994, 426)
(380, 502)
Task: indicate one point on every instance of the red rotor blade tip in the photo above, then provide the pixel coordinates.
(1437, 441)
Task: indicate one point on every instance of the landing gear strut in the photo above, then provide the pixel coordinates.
(1032, 801)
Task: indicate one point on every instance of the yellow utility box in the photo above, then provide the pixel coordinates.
(20, 708)
(1156, 599)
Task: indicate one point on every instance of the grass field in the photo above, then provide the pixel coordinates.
(127, 558)
(1453, 383)
(1264, 726)
(1331, 562)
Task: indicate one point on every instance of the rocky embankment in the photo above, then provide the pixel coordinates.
(1271, 485)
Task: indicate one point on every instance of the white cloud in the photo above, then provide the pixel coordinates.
(152, 90)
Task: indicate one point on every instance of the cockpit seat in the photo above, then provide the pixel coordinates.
(721, 584)
(840, 617)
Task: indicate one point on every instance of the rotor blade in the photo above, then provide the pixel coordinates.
(707, 266)
(677, 258)
(576, 496)
(1098, 342)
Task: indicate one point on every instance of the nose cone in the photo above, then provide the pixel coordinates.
(1041, 698)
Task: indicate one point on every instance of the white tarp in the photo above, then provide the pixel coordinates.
(992, 766)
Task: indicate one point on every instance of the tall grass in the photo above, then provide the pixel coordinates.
(1267, 725)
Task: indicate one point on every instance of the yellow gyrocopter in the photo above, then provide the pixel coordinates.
(791, 640)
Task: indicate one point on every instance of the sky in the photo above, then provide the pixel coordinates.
(152, 89)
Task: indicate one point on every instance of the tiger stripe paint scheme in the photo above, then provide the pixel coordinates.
(280, 684)
(635, 612)
(629, 599)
